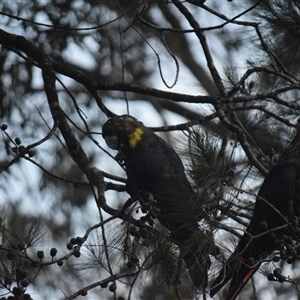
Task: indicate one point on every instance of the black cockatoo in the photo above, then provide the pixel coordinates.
(277, 204)
(153, 166)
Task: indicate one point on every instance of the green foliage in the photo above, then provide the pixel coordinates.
(204, 151)
(208, 168)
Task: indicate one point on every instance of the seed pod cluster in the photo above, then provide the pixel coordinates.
(132, 262)
(286, 242)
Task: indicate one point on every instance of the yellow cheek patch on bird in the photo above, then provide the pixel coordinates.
(135, 137)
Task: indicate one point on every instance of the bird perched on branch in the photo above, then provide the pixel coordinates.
(153, 166)
(277, 205)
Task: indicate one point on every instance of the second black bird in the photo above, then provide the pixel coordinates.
(277, 204)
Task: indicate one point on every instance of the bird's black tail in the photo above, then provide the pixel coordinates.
(240, 275)
(224, 276)
(196, 248)
(237, 284)
(198, 265)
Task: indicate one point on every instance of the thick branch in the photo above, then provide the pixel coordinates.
(74, 147)
(202, 38)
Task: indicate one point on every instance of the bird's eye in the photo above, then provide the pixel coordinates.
(112, 142)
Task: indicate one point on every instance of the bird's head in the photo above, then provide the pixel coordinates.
(123, 133)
